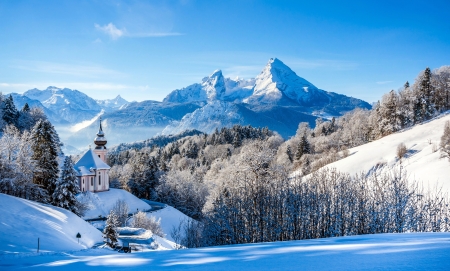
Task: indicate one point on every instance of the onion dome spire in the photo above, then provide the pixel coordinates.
(100, 141)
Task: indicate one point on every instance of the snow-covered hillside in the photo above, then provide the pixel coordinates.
(421, 162)
(406, 251)
(22, 222)
(101, 203)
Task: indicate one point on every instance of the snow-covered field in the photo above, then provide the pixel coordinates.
(22, 222)
(420, 163)
(406, 251)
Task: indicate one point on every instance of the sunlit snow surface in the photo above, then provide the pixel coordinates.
(421, 162)
(407, 251)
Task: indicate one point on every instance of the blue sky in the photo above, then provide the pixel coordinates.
(145, 49)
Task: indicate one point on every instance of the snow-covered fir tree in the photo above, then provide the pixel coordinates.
(303, 147)
(45, 146)
(10, 113)
(66, 188)
(110, 234)
(424, 109)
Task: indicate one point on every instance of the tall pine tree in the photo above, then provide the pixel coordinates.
(10, 113)
(45, 146)
(66, 188)
(110, 232)
(303, 147)
(426, 102)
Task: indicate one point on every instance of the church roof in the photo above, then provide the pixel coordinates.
(90, 161)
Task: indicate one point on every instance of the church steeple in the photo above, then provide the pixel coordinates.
(100, 141)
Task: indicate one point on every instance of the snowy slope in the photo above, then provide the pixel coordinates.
(101, 203)
(170, 218)
(406, 251)
(421, 163)
(215, 114)
(22, 222)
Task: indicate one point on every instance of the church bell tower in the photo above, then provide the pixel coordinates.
(100, 142)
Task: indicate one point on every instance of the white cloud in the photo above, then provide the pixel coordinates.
(114, 33)
(111, 30)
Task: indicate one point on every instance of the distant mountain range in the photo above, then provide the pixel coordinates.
(277, 98)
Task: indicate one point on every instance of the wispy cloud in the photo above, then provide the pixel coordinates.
(87, 71)
(384, 82)
(114, 33)
(111, 30)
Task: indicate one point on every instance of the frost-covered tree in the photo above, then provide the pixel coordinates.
(67, 188)
(424, 108)
(303, 147)
(141, 220)
(45, 146)
(121, 211)
(25, 121)
(10, 113)
(110, 234)
(389, 114)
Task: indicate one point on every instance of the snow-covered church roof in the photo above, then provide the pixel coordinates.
(90, 161)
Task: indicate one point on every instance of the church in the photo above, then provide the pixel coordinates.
(92, 169)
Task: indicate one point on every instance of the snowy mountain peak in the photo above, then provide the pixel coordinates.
(278, 80)
(214, 85)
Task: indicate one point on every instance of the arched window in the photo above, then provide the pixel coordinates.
(99, 179)
(92, 181)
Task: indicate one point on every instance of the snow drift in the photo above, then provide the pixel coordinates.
(24, 221)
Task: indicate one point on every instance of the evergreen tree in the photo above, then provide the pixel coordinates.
(237, 142)
(26, 108)
(10, 113)
(66, 188)
(303, 147)
(289, 153)
(25, 120)
(45, 146)
(426, 95)
(406, 86)
(110, 234)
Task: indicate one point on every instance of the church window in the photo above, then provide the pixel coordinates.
(92, 181)
(99, 179)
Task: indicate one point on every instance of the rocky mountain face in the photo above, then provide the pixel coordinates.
(277, 98)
